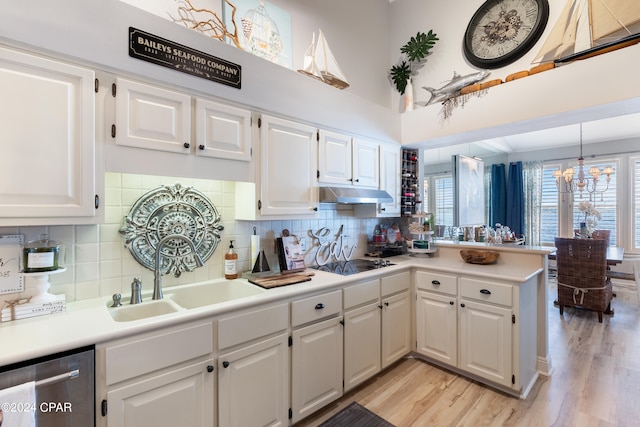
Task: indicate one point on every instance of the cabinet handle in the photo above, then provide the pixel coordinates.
(383, 209)
(485, 291)
(357, 180)
(201, 146)
(451, 302)
(341, 322)
(319, 306)
(435, 282)
(210, 368)
(315, 209)
(186, 145)
(386, 304)
(380, 306)
(225, 364)
(462, 305)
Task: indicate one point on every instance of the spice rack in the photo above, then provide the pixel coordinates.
(410, 190)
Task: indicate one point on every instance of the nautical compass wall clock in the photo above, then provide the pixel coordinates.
(501, 31)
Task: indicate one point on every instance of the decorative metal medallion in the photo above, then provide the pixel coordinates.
(171, 210)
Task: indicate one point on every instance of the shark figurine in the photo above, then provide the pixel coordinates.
(453, 87)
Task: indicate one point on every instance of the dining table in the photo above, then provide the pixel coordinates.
(615, 255)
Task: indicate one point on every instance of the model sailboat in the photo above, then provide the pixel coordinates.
(590, 27)
(320, 63)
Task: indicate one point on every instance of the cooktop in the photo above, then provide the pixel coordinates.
(346, 268)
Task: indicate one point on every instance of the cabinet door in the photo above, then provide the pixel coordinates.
(47, 129)
(152, 117)
(437, 327)
(361, 344)
(396, 327)
(366, 163)
(334, 158)
(390, 178)
(222, 131)
(316, 367)
(485, 341)
(253, 384)
(287, 168)
(182, 397)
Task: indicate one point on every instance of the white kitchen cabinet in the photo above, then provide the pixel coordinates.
(161, 378)
(485, 328)
(344, 160)
(390, 179)
(287, 184)
(47, 129)
(377, 326)
(316, 367)
(222, 131)
(253, 367)
(152, 117)
(253, 384)
(183, 396)
(361, 344)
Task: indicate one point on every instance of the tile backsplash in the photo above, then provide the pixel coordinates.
(99, 264)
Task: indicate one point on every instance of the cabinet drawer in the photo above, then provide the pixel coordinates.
(315, 308)
(158, 350)
(251, 325)
(495, 293)
(361, 293)
(436, 282)
(395, 283)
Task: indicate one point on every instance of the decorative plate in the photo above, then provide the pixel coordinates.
(171, 210)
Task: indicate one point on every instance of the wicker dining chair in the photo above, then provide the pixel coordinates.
(582, 275)
(602, 235)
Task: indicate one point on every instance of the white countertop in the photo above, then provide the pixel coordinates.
(88, 322)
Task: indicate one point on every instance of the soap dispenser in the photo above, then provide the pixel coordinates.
(230, 261)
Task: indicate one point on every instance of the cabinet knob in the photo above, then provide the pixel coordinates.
(186, 145)
(201, 146)
(225, 364)
(383, 209)
(315, 209)
(380, 306)
(386, 304)
(451, 302)
(210, 368)
(319, 306)
(357, 180)
(462, 305)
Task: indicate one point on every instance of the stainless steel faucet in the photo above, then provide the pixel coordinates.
(157, 277)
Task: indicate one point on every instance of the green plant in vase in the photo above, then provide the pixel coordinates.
(415, 51)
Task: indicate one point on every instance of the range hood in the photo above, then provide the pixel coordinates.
(353, 195)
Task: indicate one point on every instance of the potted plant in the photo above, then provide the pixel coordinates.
(415, 51)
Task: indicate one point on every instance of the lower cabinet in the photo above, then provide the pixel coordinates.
(361, 344)
(316, 367)
(161, 378)
(253, 385)
(187, 391)
(486, 328)
(396, 327)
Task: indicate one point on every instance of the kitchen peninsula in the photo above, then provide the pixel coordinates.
(193, 343)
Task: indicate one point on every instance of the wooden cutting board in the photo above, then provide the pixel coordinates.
(281, 279)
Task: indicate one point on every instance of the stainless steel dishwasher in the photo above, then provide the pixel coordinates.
(65, 387)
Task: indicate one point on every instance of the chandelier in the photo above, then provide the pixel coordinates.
(566, 183)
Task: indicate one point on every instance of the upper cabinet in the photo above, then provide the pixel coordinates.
(222, 131)
(344, 160)
(287, 177)
(47, 129)
(390, 178)
(152, 117)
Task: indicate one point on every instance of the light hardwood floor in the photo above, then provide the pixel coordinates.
(595, 382)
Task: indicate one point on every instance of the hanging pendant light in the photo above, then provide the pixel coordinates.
(568, 182)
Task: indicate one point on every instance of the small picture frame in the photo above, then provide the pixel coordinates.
(290, 254)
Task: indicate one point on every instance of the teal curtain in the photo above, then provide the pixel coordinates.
(515, 198)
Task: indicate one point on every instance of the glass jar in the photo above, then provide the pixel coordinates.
(42, 255)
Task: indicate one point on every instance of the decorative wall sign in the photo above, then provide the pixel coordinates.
(160, 51)
(172, 210)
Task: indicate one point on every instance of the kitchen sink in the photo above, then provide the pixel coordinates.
(128, 313)
(211, 293)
